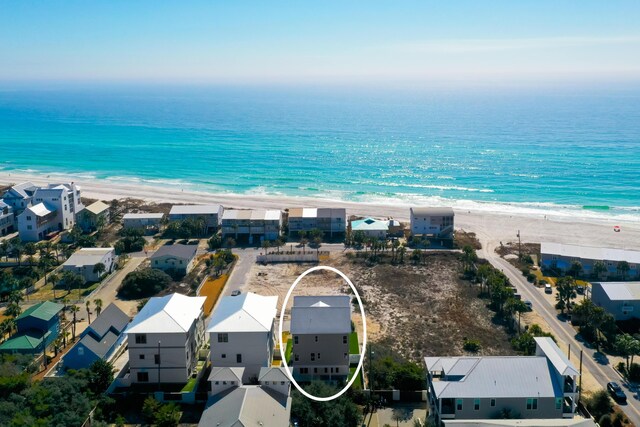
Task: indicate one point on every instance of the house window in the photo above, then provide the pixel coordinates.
(318, 356)
(337, 370)
(532, 404)
(346, 355)
(325, 370)
(143, 377)
(156, 261)
(476, 404)
(281, 382)
(458, 404)
(141, 357)
(295, 339)
(558, 403)
(223, 337)
(29, 227)
(344, 339)
(238, 358)
(316, 338)
(313, 357)
(315, 370)
(180, 262)
(493, 402)
(156, 359)
(296, 357)
(224, 356)
(217, 382)
(141, 338)
(304, 370)
(80, 351)
(28, 218)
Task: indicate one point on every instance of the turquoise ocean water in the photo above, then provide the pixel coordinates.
(572, 151)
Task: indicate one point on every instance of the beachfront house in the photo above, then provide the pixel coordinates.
(36, 325)
(430, 222)
(19, 196)
(558, 256)
(377, 229)
(93, 216)
(99, 341)
(164, 339)
(480, 388)
(7, 219)
(85, 260)
(147, 222)
(251, 225)
(320, 329)
(232, 404)
(175, 258)
(242, 332)
(49, 209)
(331, 221)
(620, 299)
(210, 214)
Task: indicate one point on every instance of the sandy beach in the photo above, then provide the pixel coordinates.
(491, 227)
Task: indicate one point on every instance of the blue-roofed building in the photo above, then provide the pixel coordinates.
(99, 341)
(37, 324)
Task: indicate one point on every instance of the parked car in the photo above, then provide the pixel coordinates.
(548, 289)
(580, 289)
(529, 305)
(616, 392)
(235, 293)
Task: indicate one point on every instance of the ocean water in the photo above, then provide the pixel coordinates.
(575, 151)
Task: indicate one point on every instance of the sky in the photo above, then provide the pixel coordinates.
(334, 42)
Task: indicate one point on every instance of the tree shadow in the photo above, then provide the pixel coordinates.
(601, 358)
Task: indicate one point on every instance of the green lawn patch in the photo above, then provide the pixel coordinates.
(288, 350)
(357, 384)
(189, 386)
(353, 343)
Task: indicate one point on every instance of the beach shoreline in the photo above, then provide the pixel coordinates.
(492, 224)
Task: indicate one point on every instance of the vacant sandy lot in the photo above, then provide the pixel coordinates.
(418, 310)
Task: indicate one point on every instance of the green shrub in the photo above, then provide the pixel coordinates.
(471, 345)
(599, 404)
(531, 278)
(634, 372)
(605, 421)
(143, 283)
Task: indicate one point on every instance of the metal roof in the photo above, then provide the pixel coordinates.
(247, 406)
(548, 347)
(327, 314)
(620, 291)
(252, 214)
(99, 347)
(88, 256)
(150, 215)
(226, 374)
(589, 252)
(194, 209)
(550, 422)
(432, 211)
(244, 313)
(176, 250)
(41, 209)
(45, 310)
(170, 313)
(24, 341)
(97, 207)
(272, 374)
(495, 377)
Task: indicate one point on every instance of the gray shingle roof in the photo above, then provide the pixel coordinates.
(177, 250)
(110, 318)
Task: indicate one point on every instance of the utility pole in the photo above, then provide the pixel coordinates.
(519, 246)
(580, 384)
(158, 365)
(370, 369)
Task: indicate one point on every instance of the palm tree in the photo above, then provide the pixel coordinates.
(45, 262)
(16, 297)
(54, 278)
(566, 291)
(13, 310)
(401, 251)
(4, 250)
(623, 269)
(303, 242)
(6, 327)
(88, 305)
(98, 304)
(30, 250)
(74, 310)
(599, 267)
(16, 249)
(99, 268)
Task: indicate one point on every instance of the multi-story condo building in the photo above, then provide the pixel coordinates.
(251, 225)
(561, 256)
(331, 221)
(241, 333)
(164, 339)
(320, 329)
(432, 222)
(477, 388)
(46, 209)
(7, 219)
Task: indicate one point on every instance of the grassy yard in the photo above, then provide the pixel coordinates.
(189, 386)
(46, 292)
(288, 350)
(354, 348)
(357, 384)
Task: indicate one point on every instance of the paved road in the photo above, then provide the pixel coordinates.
(602, 372)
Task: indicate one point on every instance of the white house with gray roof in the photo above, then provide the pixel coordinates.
(620, 299)
(164, 339)
(432, 222)
(142, 221)
(242, 332)
(561, 256)
(211, 214)
(177, 257)
(320, 329)
(92, 216)
(83, 262)
(233, 404)
(7, 219)
(472, 388)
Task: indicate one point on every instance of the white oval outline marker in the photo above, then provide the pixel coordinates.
(364, 332)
